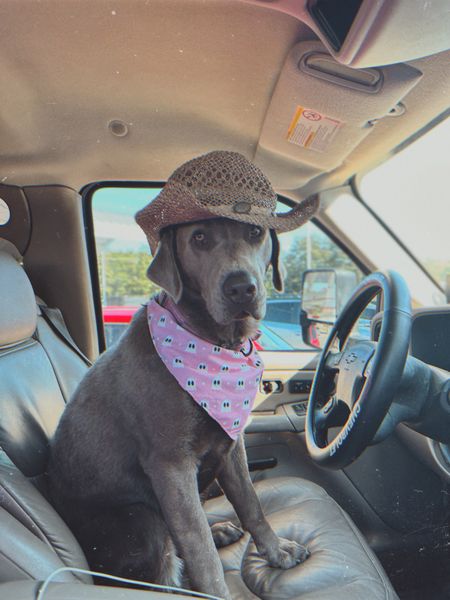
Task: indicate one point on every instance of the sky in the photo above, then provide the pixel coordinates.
(114, 225)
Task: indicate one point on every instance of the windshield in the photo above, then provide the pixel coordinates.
(376, 247)
(410, 192)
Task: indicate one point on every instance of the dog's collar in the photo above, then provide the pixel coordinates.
(164, 300)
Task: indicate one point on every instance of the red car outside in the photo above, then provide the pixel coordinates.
(116, 319)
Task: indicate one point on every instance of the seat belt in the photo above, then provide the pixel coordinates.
(53, 317)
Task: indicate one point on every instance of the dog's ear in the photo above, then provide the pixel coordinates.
(163, 269)
(277, 278)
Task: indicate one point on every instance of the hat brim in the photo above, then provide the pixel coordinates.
(279, 222)
(174, 205)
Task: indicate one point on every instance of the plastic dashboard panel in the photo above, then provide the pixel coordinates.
(430, 343)
(430, 335)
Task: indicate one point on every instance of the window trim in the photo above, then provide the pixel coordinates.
(87, 193)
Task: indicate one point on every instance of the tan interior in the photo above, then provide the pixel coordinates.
(186, 77)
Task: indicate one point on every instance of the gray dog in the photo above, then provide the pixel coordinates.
(133, 450)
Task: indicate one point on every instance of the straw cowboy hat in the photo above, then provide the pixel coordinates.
(219, 184)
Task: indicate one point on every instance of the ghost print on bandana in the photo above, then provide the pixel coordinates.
(223, 382)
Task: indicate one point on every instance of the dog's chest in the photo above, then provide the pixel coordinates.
(211, 460)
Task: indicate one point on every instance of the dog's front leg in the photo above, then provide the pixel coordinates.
(234, 478)
(175, 485)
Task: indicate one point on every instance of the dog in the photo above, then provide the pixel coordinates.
(135, 448)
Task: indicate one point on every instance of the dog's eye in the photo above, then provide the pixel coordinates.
(199, 237)
(255, 232)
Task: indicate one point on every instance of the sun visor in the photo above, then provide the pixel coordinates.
(321, 110)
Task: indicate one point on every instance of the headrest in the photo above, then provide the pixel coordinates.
(17, 302)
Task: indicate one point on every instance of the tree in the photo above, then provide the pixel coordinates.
(122, 274)
(325, 254)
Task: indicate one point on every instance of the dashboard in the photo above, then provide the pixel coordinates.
(430, 343)
(430, 337)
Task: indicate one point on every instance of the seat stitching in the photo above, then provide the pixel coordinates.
(13, 562)
(18, 346)
(15, 499)
(65, 561)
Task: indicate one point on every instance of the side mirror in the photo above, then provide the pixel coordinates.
(324, 294)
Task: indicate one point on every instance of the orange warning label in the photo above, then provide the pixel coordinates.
(312, 130)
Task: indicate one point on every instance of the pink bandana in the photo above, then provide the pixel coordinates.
(223, 382)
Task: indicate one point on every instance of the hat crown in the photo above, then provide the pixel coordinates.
(219, 184)
(224, 177)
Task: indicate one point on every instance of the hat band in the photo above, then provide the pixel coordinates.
(240, 207)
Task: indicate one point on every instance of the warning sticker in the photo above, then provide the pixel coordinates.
(312, 130)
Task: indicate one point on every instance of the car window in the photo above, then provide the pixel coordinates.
(409, 192)
(376, 245)
(123, 257)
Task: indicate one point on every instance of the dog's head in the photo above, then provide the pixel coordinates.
(221, 260)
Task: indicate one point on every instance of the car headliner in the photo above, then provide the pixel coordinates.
(186, 76)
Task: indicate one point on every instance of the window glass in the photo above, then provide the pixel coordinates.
(356, 223)
(122, 248)
(123, 257)
(410, 193)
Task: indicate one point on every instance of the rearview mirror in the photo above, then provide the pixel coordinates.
(324, 294)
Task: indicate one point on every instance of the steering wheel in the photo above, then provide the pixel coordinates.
(356, 380)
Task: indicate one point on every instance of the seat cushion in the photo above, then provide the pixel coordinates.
(341, 565)
(38, 370)
(34, 540)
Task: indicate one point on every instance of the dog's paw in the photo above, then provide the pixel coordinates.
(225, 533)
(288, 555)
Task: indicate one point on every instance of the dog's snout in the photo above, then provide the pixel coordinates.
(239, 288)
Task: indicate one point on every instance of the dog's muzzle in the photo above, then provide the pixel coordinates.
(240, 292)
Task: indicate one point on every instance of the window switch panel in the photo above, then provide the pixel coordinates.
(300, 386)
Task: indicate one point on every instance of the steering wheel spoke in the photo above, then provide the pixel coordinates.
(333, 360)
(333, 414)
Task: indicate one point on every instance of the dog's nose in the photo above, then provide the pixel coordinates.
(239, 287)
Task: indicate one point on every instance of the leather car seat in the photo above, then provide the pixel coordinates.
(38, 372)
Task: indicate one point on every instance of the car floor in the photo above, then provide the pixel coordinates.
(435, 593)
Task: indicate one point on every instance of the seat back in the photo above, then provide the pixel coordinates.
(38, 373)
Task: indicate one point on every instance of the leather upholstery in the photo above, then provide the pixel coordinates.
(68, 367)
(34, 540)
(31, 404)
(17, 304)
(35, 383)
(26, 590)
(341, 565)
(38, 375)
